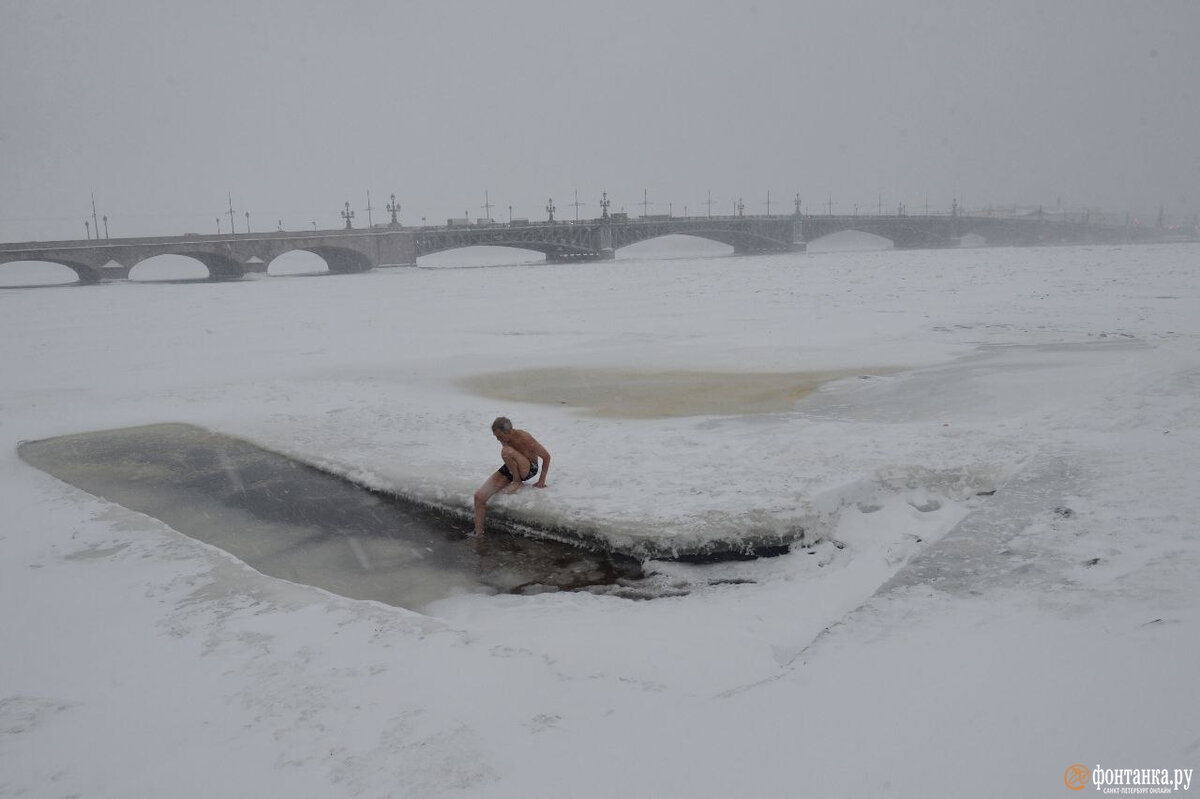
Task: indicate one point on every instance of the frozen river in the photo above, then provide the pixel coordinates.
(992, 453)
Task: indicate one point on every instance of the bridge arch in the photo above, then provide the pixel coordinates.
(681, 245)
(296, 262)
(185, 266)
(743, 235)
(339, 260)
(480, 255)
(850, 240)
(550, 249)
(15, 274)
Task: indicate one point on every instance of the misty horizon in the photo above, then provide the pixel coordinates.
(287, 112)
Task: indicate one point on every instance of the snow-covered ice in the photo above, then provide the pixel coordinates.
(1001, 478)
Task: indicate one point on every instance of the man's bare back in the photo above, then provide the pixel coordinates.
(525, 445)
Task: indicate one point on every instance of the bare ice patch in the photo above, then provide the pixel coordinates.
(630, 394)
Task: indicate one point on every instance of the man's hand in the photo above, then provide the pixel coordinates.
(540, 484)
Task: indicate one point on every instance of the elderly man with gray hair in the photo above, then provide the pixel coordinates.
(520, 452)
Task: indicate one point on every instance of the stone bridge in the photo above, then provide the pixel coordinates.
(233, 256)
(226, 257)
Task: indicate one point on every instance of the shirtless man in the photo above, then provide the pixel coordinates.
(520, 453)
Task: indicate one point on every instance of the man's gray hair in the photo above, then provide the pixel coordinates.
(502, 424)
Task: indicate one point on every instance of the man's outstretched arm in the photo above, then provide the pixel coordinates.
(544, 456)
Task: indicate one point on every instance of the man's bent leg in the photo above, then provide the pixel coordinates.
(486, 492)
(518, 465)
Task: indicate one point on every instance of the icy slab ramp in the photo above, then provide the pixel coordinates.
(979, 550)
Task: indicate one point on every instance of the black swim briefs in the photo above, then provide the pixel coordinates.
(505, 473)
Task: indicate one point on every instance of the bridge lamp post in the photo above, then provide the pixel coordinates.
(87, 226)
(348, 215)
(550, 209)
(247, 221)
(394, 209)
(604, 204)
(105, 218)
(218, 226)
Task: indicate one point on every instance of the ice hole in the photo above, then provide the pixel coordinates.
(290, 520)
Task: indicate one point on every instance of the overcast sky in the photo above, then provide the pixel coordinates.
(294, 107)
